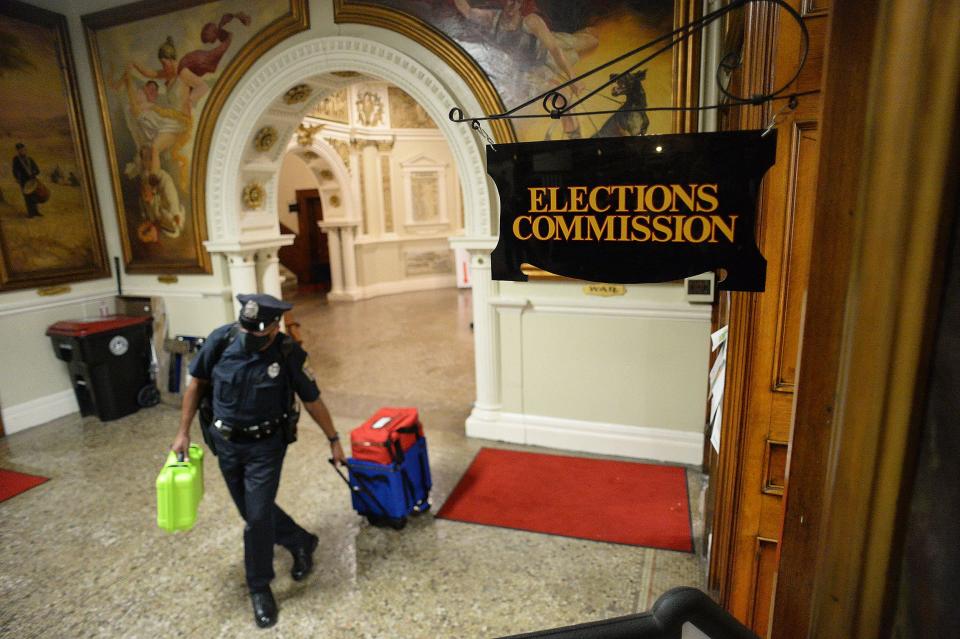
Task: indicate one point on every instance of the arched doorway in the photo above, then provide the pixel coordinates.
(270, 102)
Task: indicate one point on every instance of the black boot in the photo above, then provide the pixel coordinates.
(264, 608)
(303, 559)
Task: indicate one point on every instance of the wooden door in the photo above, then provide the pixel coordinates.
(765, 327)
(309, 255)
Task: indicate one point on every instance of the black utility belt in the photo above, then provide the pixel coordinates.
(262, 430)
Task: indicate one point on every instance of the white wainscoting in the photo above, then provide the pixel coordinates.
(39, 411)
(640, 442)
(407, 286)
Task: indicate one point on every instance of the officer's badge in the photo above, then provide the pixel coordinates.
(308, 371)
(273, 370)
(250, 310)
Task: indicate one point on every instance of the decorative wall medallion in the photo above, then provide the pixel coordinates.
(369, 109)
(265, 139)
(326, 174)
(297, 94)
(254, 196)
(305, 134)
(335, 201)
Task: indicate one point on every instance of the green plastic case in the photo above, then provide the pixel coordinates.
(179, 491)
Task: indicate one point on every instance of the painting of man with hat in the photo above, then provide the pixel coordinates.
(49, 224)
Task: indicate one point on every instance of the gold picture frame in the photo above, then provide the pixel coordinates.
(50, 227)
(158, 138)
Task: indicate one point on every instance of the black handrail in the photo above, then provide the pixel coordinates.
(665, 620)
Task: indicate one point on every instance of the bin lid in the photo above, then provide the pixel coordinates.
(84, 327)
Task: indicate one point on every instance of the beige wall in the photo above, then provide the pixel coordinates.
(620, 375)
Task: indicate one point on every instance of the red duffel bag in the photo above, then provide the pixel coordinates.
(386, 436)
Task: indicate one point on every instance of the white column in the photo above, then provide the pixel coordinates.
(358, 179)
(253, 264)
(336, 261)
(349, 260)
(486, 343)
(243, 274)
(343, 263)
(269, 267)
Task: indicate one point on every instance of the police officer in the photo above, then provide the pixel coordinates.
(251, 367)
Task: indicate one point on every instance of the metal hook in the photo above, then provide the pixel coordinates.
(773, 120)
(475, 125)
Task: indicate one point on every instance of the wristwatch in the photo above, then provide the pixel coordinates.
(334, 439)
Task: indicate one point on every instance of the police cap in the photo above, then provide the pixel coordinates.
(258, 310)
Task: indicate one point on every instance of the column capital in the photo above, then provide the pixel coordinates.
(242, 246)
(476, 245)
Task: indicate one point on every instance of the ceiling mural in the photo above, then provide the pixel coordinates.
(523, 48)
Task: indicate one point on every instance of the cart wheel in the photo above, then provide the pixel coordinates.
(398, 524)
(148, 396)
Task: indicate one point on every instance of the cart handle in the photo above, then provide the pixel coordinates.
(359, 488)
(345, 480)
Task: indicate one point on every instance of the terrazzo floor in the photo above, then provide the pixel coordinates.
(81, 555)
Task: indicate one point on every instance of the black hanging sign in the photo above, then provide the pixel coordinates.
(633, 209)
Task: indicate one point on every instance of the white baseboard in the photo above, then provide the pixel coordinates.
(494, 425)
(407, 286)
(640, 442)
(39, 411)
(343, 297)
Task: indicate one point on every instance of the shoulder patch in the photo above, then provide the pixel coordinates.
(308, 371)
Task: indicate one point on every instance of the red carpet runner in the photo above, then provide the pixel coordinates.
(13, 483)
(613, 501)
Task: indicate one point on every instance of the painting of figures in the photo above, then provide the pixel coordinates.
(527, 47)
(49, 222)
(157, 67)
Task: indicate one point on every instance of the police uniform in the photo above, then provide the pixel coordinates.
(250, 401)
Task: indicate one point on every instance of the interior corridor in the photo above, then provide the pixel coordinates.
(81, 555)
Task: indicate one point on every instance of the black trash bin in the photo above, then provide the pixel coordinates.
(109, 359)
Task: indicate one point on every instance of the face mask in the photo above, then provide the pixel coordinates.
(253, 343)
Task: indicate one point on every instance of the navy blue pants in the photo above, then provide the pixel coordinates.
(252, 473)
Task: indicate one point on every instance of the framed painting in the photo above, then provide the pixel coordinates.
(163, 70)
(510, 51)
(50, 230)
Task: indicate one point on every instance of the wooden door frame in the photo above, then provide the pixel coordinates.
(303, 197)
(883, 214)
(757, 33)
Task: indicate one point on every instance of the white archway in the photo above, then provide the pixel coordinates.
(258, 98)
(248, 237)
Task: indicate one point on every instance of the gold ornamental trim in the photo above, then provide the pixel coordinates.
(605, 290)
(49, 291)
